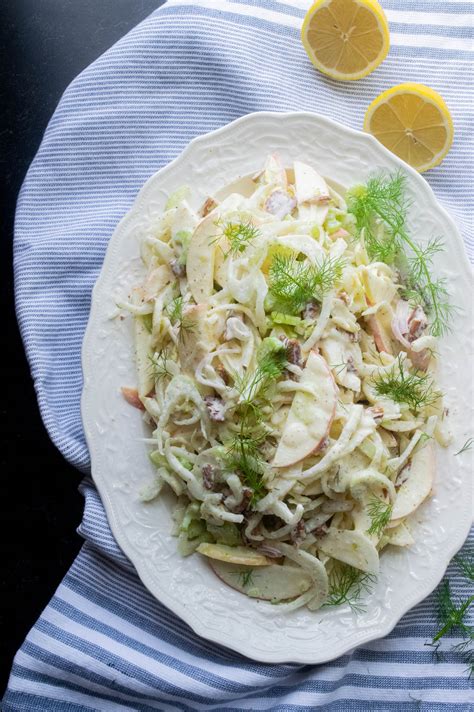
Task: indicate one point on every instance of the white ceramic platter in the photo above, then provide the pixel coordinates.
(120, 465)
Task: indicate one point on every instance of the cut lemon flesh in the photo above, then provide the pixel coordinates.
(346, 39)
(413, 122)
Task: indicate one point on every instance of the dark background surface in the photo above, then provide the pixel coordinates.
(44, 45)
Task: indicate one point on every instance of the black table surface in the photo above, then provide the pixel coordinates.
(44, 45)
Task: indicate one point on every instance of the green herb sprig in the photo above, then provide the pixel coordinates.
(380, 210)
(466, 447)
(246, 577)
(380, 513)
(347, 585)
(294, 283)
(159, 365)
(175, 311)
(243, 456)
(239, 235)
(243, 453)
(452, 611)
(415, 389)
(466, 564)
(256, 383)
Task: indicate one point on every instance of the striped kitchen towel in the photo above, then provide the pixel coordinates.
(104, 643)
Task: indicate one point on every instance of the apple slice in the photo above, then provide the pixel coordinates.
(380, 332)
(220, 263)
(132, 397)
(300, 243)
(274, 171)
(417, 487)
(310, 416)
(315, 569)
(351, 547)
(156, 281)
(378, 287)
(270, 583)
(184, 220)
(201, 259)
(312, 193)
(388, 439)
(309, 185)
(399, 536)
(343, 356)
(143, 350)
(233, 554)
(193, 343)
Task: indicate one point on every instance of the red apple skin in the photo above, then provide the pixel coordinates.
(382, 342)
(132, 397)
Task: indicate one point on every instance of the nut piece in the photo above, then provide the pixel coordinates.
(215, 408)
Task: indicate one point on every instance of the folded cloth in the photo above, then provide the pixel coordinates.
(104, 643)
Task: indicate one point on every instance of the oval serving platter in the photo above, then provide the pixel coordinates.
(115, 431)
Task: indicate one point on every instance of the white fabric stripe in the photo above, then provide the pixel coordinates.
(428, 17)
(293, 697)
(132, 601)
(110, 674)
(73, 655)
(409, 644)
(349, 692)
(41, 689)
(138, 634)
(135, 657)
(413, 17)
(436, 41)
(377, 669)
(396, 38)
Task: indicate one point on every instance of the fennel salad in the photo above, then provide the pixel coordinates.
(285, 342)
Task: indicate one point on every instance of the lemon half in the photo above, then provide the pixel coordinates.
(413, 122)
(346, 39)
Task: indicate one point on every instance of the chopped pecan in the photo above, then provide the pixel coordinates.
(377, 413)
(268, 550)
(280, 203)
(215, 408)
(208, 476)
(246, 497)
(417, 324)
(207, 207)
(178, 269)
(293, 351)
(311, 310)
(350, 364)
(321, 531)
(298, 533)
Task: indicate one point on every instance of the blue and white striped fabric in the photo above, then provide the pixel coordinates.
(103, 643)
